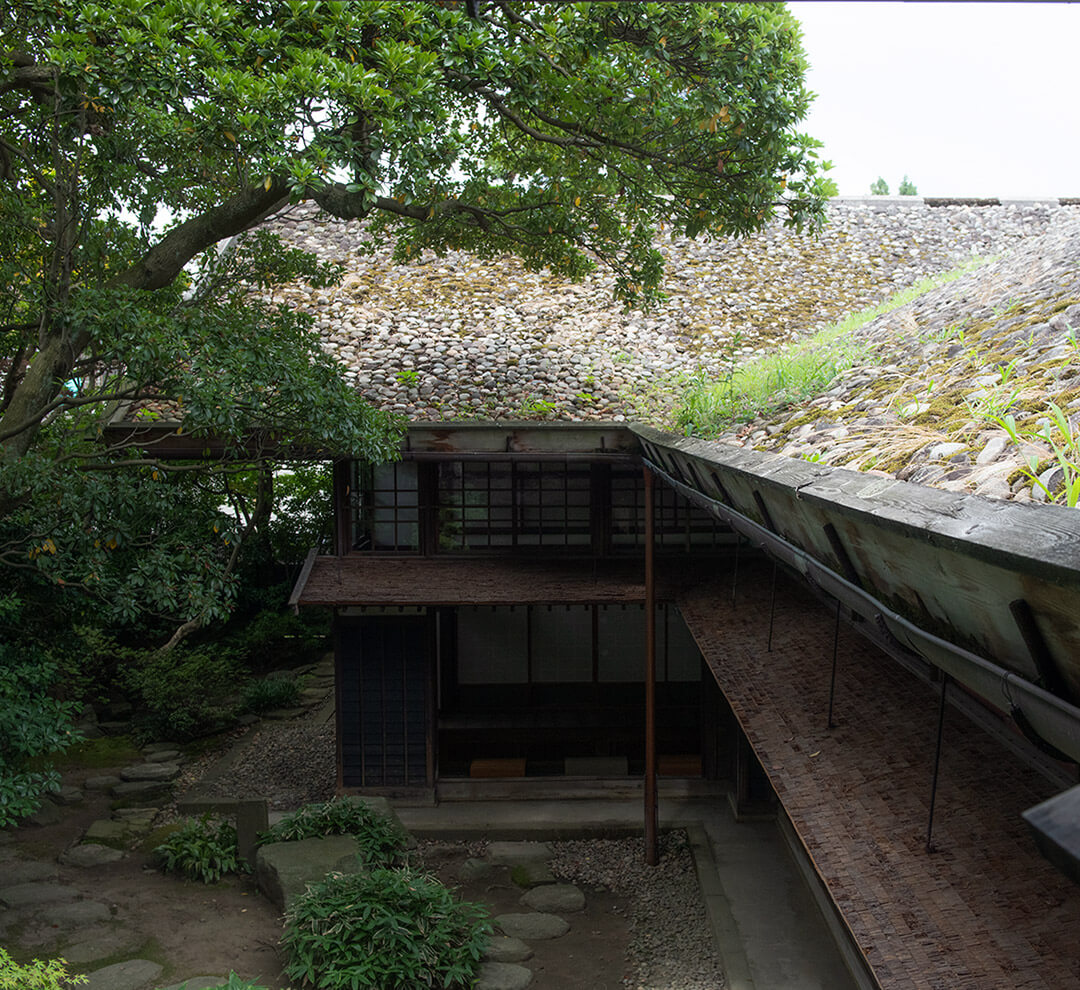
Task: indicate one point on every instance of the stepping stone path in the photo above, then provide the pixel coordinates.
(147, 783)
(133, 974)
(530, 867)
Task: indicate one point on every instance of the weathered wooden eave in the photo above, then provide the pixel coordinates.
(986, 591)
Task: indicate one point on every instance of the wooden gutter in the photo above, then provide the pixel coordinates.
(987, 592)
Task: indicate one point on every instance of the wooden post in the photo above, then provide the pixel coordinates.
(652, 849)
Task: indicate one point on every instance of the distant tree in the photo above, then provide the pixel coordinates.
(879, 188)
(907, 187)
(563, 133)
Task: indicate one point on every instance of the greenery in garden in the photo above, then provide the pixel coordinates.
(907, 187)
(39, 974)
(879, 187)
(798, 372)
(269, 693)
(202, 849)
(381, 838)
(141, 148)
(235, 982)
(388, 929)
(32, 724)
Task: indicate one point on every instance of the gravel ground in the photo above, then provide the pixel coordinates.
(671, 946)
(290, 763)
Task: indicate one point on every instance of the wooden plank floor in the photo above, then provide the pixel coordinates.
(985, 910)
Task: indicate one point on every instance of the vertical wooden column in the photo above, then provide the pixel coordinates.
(342, 512)
(652, 849)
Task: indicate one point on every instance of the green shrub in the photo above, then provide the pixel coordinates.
(381, 838)
(33, 725)
(183, 693)
(389, 929)
(235, 982)
(38, 974)
(907, 187)
(879, 188)
(270, 692)
(201, 849)
(275, 637)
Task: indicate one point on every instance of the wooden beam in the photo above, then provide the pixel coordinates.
(652, 848)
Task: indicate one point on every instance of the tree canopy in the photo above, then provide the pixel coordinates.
(143, 142)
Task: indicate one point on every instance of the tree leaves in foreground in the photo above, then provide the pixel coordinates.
(143, 143)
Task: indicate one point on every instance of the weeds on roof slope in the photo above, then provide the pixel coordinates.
(709, 406)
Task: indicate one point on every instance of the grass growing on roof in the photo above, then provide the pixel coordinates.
(801, 371)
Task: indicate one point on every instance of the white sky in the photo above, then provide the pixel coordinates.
(967, 99)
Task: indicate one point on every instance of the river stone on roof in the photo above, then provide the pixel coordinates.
(463, 338)
(460, 337)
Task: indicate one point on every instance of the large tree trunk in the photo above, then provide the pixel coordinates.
(41, 385)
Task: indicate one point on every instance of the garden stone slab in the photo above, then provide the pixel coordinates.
(67, 795)
(90, 854)
(76, 915)
(284, 869)
(115, 728)
(22, 895)
(145, 790)
(139, 823)
(532, 873)
(164, 756)
(130, 975)
(532, 927)
(47, 814)
(476, 869)
(100, 944)
(512, 853)
(198, 983)
(502, 976)
(554, 898)
(104, 783)
(158, 747)
(105, 831)
(28, 871)
(150, 771)
(122, 814)
(505, 949)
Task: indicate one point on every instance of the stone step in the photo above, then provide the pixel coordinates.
(131, 975)
(502, 976)
(142, 790)
(554, 898)
(108, 832)
(533, 926)
(90, 854)
(31, 894)
(512, 853)
(150, 771)
(532, 873)
(28, 871)
(506, 949)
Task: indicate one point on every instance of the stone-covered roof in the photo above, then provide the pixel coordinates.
(463, 338)
(460, 337)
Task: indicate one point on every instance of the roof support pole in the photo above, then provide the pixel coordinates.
(735, 572)
(832, 677)
(772, 607)
(652, 850)
(937, 763)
